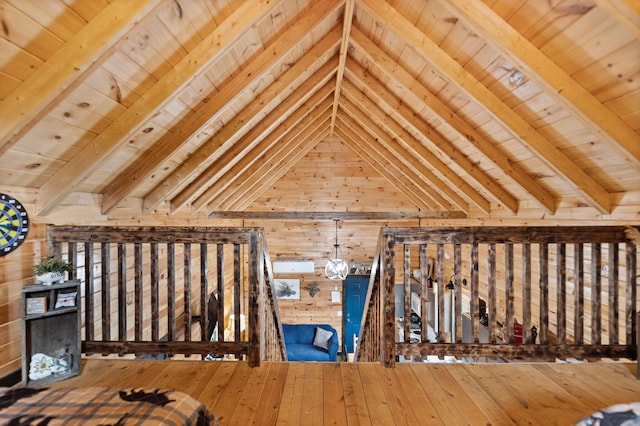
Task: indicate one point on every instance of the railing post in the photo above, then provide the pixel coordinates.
(388, 341)
(254, 301)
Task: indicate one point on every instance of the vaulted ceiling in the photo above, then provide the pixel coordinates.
(462, 106)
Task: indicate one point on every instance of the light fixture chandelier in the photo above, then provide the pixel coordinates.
(336, 269)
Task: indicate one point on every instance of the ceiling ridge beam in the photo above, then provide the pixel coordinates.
(377, 97)
(74, 172)
(191, 125)
(283, 166)
(215, 145)
(498, 157)
(344, 50)
(62, 72)
(364, 114)
(414, 194)
(555, 82)
(582, 182)
(276, 124)
(337, 215)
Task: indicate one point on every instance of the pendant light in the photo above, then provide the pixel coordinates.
(336, 269)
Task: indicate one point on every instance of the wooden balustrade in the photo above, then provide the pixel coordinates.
(586, 308)
(148, 290)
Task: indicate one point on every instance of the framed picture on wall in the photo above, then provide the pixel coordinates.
(287, 288)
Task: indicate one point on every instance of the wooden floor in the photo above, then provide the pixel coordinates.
(368, 394)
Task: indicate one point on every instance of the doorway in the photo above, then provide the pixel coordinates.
(355, 296)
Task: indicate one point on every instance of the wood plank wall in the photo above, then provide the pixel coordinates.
(350, 185)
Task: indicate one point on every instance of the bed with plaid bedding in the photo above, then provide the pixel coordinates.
(101, 406)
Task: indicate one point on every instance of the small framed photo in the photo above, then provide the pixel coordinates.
(66, 299)
(36, 305)
(287, 288)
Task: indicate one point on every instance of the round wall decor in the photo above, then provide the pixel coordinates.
(14, 224)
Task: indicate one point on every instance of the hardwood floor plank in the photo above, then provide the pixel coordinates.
(417, 399)
(540, 395)
(450, 389)
(361, 394)
(228, 399)
(481, 398)
(510, 405)
(290, 412)
(447, 408)
(333, 392)
(606, 379)
(354, 400)
(216, 383)
(312, 410)
(192, 377)
(246, 407)
(399, 405)
(269, 403)
(374, 394)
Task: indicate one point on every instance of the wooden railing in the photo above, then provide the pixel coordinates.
(586, 309)
(160, 290)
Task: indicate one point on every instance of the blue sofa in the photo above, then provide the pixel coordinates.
(299, 339)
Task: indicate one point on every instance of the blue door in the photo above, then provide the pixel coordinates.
(355, 290)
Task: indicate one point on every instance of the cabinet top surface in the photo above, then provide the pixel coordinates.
(41, 287)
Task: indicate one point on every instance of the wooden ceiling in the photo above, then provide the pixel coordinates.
(467, 107)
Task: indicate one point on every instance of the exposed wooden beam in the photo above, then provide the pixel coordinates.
(365, 95)
(252, 75)
(344, 50)
(369, 51)
(317, 56)
(389, 168)
(367, 116)
(67, 179)
(582, 182)
(276, 146)
(238, 181)
(376, 216)
(295, 108)
(55, 78)
(278, 168)
(244, 146)
(556, 83)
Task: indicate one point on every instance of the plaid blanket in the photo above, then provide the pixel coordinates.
(101, 406)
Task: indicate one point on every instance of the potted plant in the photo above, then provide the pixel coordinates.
(51, 270)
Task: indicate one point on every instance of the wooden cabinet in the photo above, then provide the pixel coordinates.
(50, 332)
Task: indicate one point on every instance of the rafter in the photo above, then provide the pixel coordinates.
(243, 147)
(545, 73)
(299, 104)
(378, 58)
(367, 115)
(248, 168)
(582, 182)
(55, 78)
(251, 75)
(344, 50)
(414, 194)
(282, 166)
(59, 186)
(377, 100)
(318, 56)
(395, 167)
